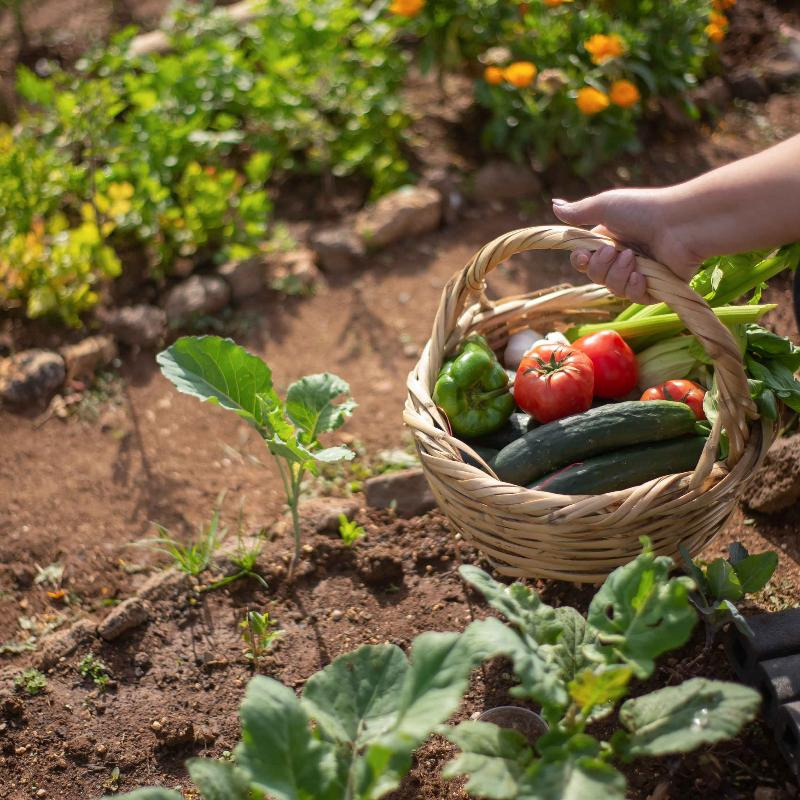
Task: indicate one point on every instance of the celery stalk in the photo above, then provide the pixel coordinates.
(668, 324)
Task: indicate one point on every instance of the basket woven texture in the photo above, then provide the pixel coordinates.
(581, 538)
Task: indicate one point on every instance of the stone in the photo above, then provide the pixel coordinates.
(200, 294)
(747, 85)
(63, 644)
(31, 377)
(409, 211)
(83, 359)
(504, 180)
(321, 514)
(11, 706)
(776, 485)
(781, 72)
(338, 249)
(138, 326)
(166, 586)
(407, 491)
(295, 272)
(245, 278)
(171, 733)
(129, 614)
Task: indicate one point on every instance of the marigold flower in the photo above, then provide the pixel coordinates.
(723, 5)
(591, 101)
(407, 8)
(715, 32)
(715, 18)
(520, 73)
(554, 3)
(493, 75)
(624, 94)
(601, 47)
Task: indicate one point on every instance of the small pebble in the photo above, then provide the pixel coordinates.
(336, 615)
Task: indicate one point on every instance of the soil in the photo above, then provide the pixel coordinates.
(78, 492)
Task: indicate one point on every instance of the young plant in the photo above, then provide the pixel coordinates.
(197, 554)
(579, 669)
(91, 667)
(349, 530)
(258, 635)
(219, 371)
(245, 560)
(724, 582)
(30, 681)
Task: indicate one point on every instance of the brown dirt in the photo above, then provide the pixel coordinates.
(77, 492)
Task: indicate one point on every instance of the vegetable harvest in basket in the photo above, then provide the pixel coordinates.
(606, 406)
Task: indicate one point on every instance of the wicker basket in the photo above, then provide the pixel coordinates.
(529, 533)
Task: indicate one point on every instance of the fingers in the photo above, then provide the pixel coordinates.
(588, 211)
(580, 259)
(615, 269)
(600, 263)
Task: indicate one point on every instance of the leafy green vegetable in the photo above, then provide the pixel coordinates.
(217, 370)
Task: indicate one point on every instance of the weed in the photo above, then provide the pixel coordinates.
(349, 530)
(31, 681)
(245, 559)
(258, 635)
(95, 670)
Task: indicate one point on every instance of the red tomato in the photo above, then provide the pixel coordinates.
(554, 381)
(614, 363)
(682, 392)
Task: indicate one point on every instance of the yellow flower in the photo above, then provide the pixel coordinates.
(407, 8)
(493, 75)
(624, 94)
(715, 18)
(591, 101)
(520, 73)
(715, 32)
(554, 3)
(601, 47)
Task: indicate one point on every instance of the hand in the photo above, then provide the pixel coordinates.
(635, 218)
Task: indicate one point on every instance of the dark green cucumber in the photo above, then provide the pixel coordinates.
(486, 453)
(519, 423)
(598, 430)
(624, 468)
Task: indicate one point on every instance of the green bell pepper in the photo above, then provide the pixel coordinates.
(472, 389)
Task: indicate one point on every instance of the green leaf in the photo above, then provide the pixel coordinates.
(356, 699)
(147, 794)
(218, 370)
(576, 777)
(278, 750)
(599, 687)
(640, 612)
(494, 758)
(678, 719)
(217, 780)
(736, 553)
(332, 454)
(742, 625)
(723, 583)
(692, 570)
(754, 571)
(310, 404)
(572, 650)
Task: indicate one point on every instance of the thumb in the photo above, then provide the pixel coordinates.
(589, 211)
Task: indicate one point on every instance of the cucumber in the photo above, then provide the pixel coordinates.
(519, 423)
(486, 453)
(598, 430)
(624, 468)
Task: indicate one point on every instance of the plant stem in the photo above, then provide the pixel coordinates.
(293, 498)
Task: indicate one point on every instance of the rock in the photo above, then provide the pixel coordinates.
(129, 614)
(166, 586)
(295, 272)
(83, 359)
(339, 249)
(171, 733)
(776, 485)
(745, 84)
(246, 278)
(31, 377)
(407, 491)
(11, 706)
(712, 96)
(781, 72)
(137, 326)
(410, 211)
(321, 514)
(504, 180)
(63, 644)
(200, 294)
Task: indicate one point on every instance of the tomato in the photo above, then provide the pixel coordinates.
(554, 381)
(614, 363)
(682, 392)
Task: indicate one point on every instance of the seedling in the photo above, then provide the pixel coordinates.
(258, 635)
(349, 530)
(355, 726)
(95, 670)
(724, 582)
(245, 559)
(197, 554)
(219, 371)
(30, 681)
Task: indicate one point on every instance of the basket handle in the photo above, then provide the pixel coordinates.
(736, 407)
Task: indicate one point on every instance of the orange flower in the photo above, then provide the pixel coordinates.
(591, 101)
(715, 18)
(601, 47)
(407, 8)
(493, 75)
(624, 94)
(723, 5)
(554, 3)
(520, 73)
(715, 32)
